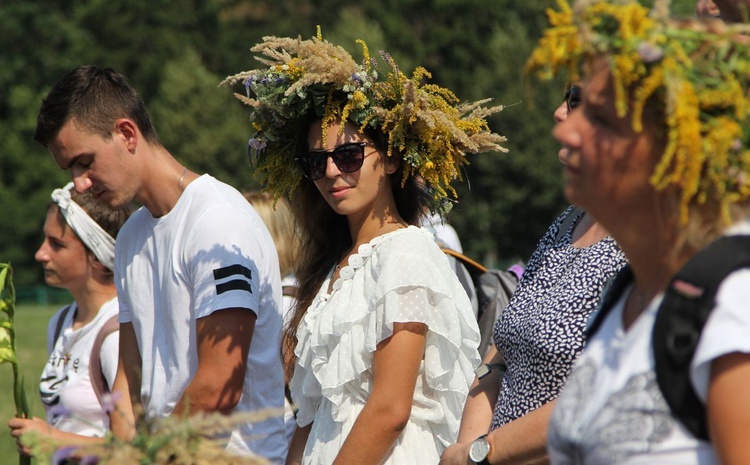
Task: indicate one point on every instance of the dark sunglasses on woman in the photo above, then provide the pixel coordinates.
(348, 158)
(573, 97)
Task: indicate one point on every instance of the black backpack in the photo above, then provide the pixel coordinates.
(679, 321)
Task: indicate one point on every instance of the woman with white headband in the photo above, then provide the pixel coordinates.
(77, 254)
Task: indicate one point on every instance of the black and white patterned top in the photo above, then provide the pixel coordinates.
(540, 333)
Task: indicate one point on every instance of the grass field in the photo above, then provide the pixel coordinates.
(31, 330)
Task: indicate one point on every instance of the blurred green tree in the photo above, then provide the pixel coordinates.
(176, 51)
(202, 125)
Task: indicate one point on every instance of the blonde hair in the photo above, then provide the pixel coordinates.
(277, 215)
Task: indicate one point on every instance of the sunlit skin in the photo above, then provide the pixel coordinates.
(706, 9)
(120, 168)
(65, 262)
(363, 196)
(62, 254)
(123, 166)
(560, 115)
(343, 191)
(608, 165)
(96, 163)
(608, 173)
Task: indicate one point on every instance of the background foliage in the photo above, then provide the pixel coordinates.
(31, 349)
(176, 51)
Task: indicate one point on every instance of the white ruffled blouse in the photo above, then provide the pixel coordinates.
(401, 276)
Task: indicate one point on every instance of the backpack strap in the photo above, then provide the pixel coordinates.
(493, 290)
(473, 266)
(60, 322)
(687, 304)
(611, 294)
(98, 381)
(289, 291)
(572, 217)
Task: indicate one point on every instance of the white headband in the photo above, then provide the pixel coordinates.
(90, 233)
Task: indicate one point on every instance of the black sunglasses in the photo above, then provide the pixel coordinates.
(573, 97)
(348, 158)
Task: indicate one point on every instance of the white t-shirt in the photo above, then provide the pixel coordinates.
(611, 410)
(210, 252)
(65, 385)
(288, 301)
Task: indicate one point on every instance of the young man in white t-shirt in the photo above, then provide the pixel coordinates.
(196, 270)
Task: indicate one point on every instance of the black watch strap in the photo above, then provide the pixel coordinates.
(483, 370)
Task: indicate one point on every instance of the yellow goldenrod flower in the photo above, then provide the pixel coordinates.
(695, 71)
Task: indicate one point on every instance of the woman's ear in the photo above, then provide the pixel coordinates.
(392, 164)
(97, 265)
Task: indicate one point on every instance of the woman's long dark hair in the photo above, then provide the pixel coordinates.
(325, 236)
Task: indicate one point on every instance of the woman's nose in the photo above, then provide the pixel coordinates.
(41, 254)
(332, 170)
(561, 113)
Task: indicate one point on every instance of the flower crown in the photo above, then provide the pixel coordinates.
(424, 123)
(697, 72)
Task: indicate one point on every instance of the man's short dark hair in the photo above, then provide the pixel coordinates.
(94, 97)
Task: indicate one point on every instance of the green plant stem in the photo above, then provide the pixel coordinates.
(19, 395)
(22, 409)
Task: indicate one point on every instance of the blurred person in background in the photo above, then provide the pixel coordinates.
(659, 155)
(277, 215)
(538, 336)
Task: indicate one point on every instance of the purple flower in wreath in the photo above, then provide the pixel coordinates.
(256, 144)
(650, 53)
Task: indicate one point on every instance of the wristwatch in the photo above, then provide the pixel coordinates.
(480, 450)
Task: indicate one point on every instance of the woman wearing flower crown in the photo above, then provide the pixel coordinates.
(659, 155)
(384, 335)
(538, 336)
(77, 254)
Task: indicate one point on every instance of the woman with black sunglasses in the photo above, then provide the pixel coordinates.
(384, 335)
(659, 153)
(538, 336)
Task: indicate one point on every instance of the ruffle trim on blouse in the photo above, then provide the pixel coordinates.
(450, 347)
